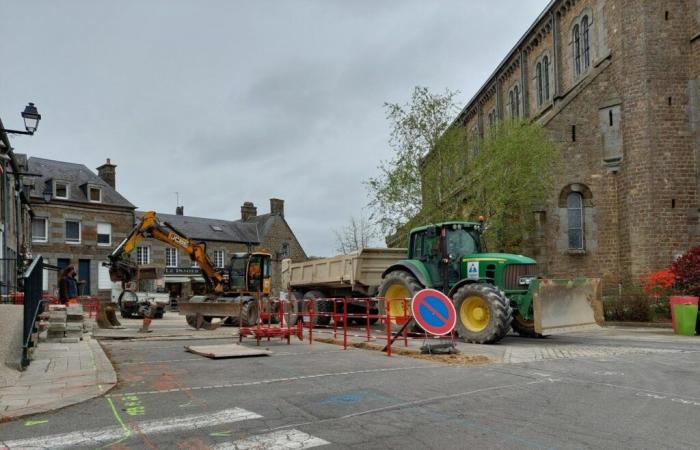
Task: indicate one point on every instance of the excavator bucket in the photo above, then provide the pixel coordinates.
(106, 315)
(198, 321)
(122, 271)
(567, 305)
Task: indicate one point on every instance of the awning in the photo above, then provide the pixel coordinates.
(182, 279)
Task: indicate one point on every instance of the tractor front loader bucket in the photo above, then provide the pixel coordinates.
(568, 305)
(106, 315)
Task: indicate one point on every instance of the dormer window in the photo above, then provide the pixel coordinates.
(95, 194)
(216, 228)
(60, 190)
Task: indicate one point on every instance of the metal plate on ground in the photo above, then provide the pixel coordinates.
(226, 351)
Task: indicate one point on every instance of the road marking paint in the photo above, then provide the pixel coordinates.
(277, 440)
(184, 423)
(31, 423)
(275, 380)
(663, 397)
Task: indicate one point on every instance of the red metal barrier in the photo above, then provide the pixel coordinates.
(366, 322)
(90, 304)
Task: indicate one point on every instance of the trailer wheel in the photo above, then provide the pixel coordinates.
(293, 308)
(525, 328)
(249, 313)
(396, 287)
(484, 314)
(322, 309)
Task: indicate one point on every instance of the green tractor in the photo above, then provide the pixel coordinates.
(492, 292)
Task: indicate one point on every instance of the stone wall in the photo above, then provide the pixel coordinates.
(121, 220)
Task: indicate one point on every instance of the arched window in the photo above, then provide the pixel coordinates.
(576, 42)
(574, 208)
(516, 90)
(538, 76)
(511, 99)
(586, 41)
(545, 68)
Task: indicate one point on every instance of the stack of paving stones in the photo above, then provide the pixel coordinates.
(75, 317)
(66, 323)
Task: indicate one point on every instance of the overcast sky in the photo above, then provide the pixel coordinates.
(231, 101)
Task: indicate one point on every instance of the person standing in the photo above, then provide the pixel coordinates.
(68, 285)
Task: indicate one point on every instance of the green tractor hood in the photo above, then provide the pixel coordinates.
(506, 258)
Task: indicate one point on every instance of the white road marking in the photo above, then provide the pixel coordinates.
(83, 438)
(277, 440)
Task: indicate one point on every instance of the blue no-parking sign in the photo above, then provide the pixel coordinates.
(434, 312)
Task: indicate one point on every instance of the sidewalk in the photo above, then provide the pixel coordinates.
(60, 375)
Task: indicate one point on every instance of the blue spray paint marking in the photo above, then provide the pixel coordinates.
(432, 319)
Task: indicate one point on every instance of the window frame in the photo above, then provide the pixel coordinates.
(222, 253)
(46, 230)
(55, 189)
(576, 42)
(581, 215)
(545, 70)
(586, 42)
(538, 83)
(90, 188)
(172, 251)
(139, 258)
(97, 228)
(80, 231)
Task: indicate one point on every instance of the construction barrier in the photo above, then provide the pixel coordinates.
(91, 305)
(338, 318)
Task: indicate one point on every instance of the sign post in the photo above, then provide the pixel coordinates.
(434, 312)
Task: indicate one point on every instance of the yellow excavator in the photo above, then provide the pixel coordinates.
(233, 293)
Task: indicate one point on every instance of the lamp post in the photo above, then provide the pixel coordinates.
(31, 121)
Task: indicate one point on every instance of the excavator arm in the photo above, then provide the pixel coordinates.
(122, 269)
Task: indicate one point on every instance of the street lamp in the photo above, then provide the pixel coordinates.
(31, 120)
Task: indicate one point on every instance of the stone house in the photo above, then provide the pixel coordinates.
(78, 218)
(181, 276)
(15, 215)
(276, 237)
(617, 84)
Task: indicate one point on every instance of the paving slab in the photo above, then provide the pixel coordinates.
(57, 378)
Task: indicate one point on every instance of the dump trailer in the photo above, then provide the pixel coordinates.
(356, 275)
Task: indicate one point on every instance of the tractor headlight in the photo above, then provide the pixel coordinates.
(525, 281)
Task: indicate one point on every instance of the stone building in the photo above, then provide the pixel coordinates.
(266, 232)
(617, 84)
(15, 216)
(276, 236)
(78, 218)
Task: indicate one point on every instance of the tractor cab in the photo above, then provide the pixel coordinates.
(441, 248)
(250, 272)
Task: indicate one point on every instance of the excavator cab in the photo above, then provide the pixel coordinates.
(250, 272)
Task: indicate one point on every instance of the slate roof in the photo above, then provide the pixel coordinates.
(203, 229)
(77, 175)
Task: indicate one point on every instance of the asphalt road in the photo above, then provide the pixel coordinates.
(609, 389)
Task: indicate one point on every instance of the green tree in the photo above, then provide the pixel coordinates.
(395, 194)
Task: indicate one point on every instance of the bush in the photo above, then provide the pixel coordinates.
(635, 305)
(687, 272)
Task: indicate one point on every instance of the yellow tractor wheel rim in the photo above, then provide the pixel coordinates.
(398, 295)
(474, 313)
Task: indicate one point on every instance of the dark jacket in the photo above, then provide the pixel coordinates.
(71, 287)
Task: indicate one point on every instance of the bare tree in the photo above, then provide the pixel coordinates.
(356, 235)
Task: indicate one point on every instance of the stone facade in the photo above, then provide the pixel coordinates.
(56, 215)
(623, 85)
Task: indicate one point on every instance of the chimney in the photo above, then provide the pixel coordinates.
(179, 210)
(277, 206)
(248, 210)
(108, 173)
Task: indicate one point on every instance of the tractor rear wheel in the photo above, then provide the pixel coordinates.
(397, 289)
(484, 314)
(322, 308)
(525, 328)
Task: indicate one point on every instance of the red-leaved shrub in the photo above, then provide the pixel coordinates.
(687, 272)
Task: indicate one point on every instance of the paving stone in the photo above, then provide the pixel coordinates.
(74, 327)
(57, 307)
(57, 326)
(70, 340)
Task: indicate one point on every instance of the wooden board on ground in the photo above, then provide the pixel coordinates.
(226, 351)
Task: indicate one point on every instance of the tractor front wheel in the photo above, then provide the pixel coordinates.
(397, 289)
(484, 314)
